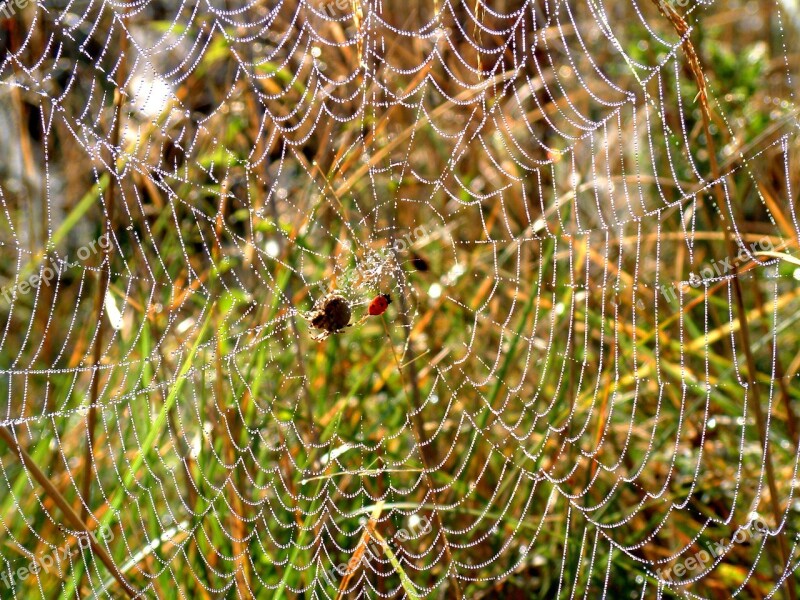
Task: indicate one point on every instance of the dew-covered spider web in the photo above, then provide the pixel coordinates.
(585, 216)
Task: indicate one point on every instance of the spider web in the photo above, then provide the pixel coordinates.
(586, 374)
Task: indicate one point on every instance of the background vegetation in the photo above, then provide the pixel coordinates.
(564, 426)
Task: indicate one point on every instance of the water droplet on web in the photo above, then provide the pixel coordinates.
(272, 248)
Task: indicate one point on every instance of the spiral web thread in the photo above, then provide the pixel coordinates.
(529, 181)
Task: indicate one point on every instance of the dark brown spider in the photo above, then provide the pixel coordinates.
(332, 316)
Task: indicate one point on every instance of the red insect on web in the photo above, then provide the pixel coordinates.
(379, 304)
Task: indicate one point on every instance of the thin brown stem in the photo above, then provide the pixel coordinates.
(105, 277)
(67, 510)
(425, 452)
(682, 28)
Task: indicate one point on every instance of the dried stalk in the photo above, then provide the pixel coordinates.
(105, 277)
(682, 29)
(67, 510)
(426, 456)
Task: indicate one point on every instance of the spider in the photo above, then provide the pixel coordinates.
(334, 312)
(332, 316)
